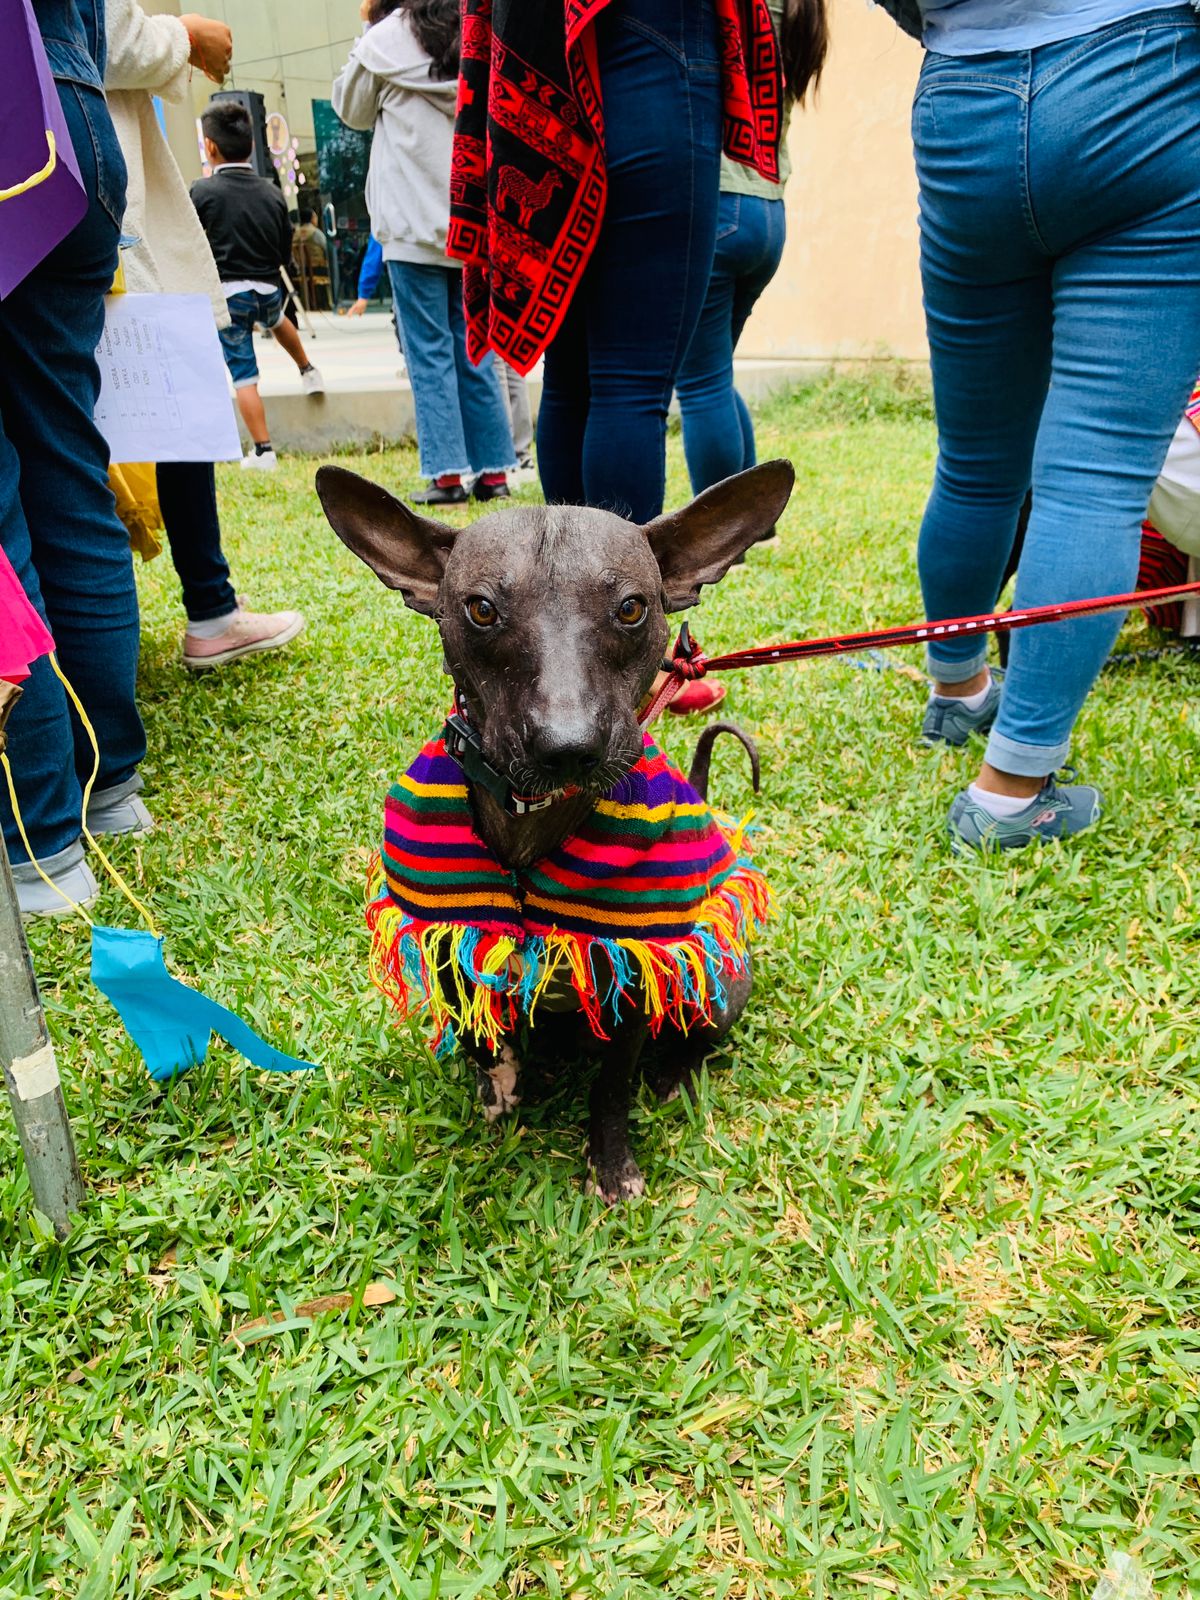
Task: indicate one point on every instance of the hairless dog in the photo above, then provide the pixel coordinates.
(553, 621)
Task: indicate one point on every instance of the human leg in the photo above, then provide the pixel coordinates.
(714, 444)
(187, 497)
(644, 288)
(253, 413)
(219, 630)
(485, 427)
(419, 295)
(1120, 208)
(520, 414)
(563, 413)
(57, 518)
(718, 435)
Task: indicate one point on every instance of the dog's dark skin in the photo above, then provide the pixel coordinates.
(554, 623)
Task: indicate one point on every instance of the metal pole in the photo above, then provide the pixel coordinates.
(27, 1058)
(301, 308)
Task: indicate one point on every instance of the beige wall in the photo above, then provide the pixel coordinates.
(290, 51)
(848, 285)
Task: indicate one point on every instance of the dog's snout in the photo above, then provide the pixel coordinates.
(567, 754)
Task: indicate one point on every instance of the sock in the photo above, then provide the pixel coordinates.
(449, 480)
(212, 627)
(998, 805)
(493, 480)
(971, 702)
(307, 367)
(261, 449)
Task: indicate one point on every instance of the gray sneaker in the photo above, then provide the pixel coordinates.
(1053, 813)
(36, 898)
(115, 813)
(951, 722)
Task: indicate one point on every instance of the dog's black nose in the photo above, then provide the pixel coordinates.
(567, 755)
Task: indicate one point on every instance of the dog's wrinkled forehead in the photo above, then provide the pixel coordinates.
(550, 553)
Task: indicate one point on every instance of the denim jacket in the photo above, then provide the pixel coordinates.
(73, 33)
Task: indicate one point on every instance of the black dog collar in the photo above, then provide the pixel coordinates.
(464, 746)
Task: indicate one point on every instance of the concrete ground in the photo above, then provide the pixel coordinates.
(366, 397)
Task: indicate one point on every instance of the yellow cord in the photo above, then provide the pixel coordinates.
(38, 177)
(33, 862)
(87, 795)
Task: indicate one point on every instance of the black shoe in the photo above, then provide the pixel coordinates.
(436, 495)
(491, 491)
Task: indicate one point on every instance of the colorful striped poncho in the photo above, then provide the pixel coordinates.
(649, 904)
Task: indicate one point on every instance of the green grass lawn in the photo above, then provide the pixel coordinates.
(913, 1304)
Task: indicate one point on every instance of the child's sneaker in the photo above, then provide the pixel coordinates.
(253, 461)
(1053, 813)
(248, 633)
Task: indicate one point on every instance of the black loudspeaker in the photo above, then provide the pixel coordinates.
(257, 111)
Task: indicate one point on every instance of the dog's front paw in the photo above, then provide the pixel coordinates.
(615, 1181)
(499, 1085)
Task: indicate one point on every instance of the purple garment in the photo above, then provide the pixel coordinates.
(32, 223)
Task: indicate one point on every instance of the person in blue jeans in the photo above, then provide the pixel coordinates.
(58, 525)
(718, 434)
(402, 81)
(1058, 158)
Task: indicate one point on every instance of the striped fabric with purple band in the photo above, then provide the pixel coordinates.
(651, 883)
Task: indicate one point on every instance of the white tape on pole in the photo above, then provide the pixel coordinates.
(36, 1074)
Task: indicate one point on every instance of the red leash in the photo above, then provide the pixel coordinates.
(688, 661)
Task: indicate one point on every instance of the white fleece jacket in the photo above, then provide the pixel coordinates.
(386, 86)
(149, 56)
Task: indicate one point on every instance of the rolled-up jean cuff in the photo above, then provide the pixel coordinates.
(25, 871)
(1025, 760)
(955, 671)
(116, 792)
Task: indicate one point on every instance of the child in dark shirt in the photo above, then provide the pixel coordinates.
(246, 220)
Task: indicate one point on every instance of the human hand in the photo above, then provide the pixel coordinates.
(357, 309)
(212, 45)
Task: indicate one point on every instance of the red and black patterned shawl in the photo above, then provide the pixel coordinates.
(528, 181)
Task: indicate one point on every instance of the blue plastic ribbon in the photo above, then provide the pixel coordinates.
(170, 1023)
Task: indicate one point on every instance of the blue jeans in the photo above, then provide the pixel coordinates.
(1060, 258)
(187, 497)
(58, 525)
(611, 369)
(718, 436)
(248, 309)
(462, 421)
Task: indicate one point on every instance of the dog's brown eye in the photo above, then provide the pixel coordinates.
(631, 610)
(481, 611)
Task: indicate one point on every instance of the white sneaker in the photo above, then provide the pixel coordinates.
(312, 382)
(253, 462)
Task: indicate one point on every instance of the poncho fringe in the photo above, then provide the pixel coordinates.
(650, 904)
(484, 983)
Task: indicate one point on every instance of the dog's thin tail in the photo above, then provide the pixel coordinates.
(702, 760)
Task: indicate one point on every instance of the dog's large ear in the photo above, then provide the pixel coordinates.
(699, 543)
(403, 550)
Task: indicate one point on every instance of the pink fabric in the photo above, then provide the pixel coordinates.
(23, 635)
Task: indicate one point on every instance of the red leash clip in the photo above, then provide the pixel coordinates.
(688, 664)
